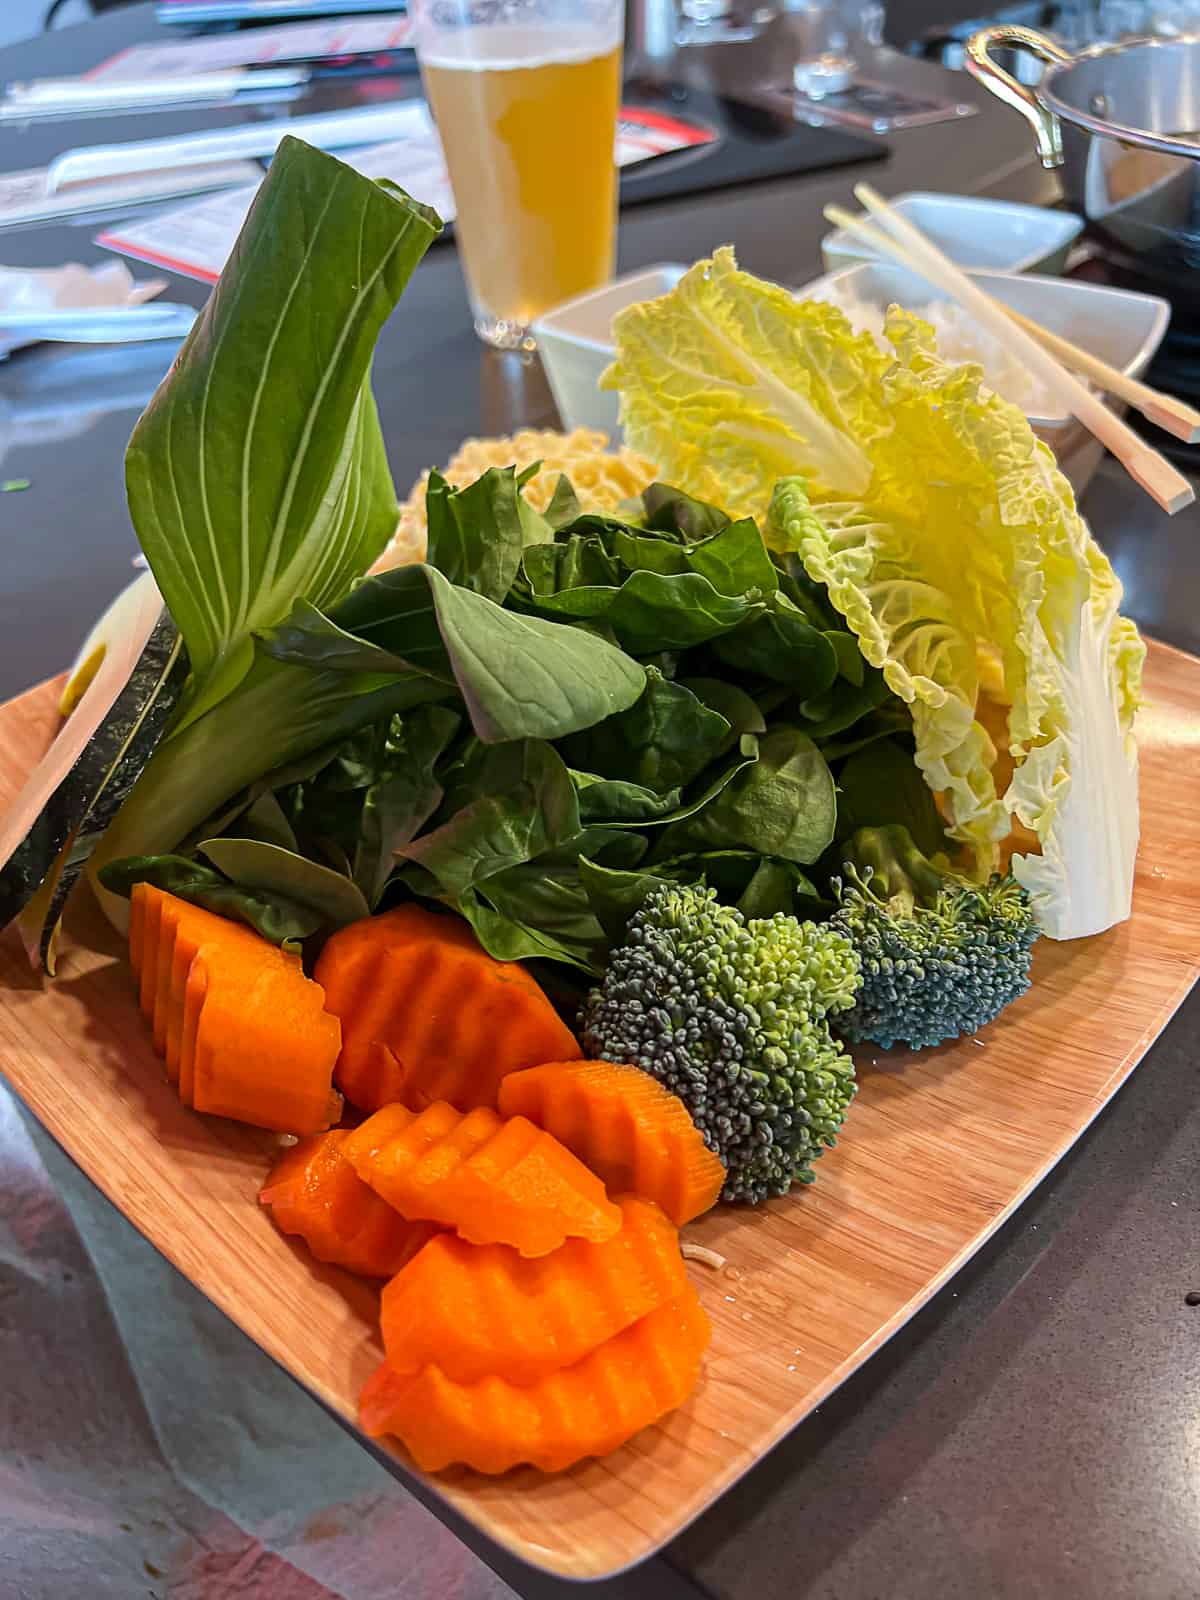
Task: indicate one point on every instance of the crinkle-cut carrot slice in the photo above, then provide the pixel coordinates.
(186, 929)
(165, 934)
(494, 1182)
(244, 1032)
(625, 1126)
(265, 1048)
(428, 1015)
(314, 1192)
(587, 1409)
(481, 1310)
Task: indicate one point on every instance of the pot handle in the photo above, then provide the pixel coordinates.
(1027, 101)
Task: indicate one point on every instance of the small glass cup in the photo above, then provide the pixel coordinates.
(525, 96)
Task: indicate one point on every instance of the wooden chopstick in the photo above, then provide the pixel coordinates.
(1172, 415)
(1162, 409)
(1145, 466)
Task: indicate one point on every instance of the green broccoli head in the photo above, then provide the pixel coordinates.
(939, 956)
(730, 1016)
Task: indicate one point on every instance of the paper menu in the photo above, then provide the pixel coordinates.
(191, 11)
(416, 164)
(642, 133)
(27, 196)
(196, 239)
(256, 47)
(193, 240)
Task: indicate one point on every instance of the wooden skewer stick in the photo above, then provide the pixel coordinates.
(1168, 487)
(1172, 415)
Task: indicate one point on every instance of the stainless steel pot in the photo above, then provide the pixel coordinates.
(1122, 121)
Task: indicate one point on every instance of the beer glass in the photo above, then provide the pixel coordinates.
(525, 96)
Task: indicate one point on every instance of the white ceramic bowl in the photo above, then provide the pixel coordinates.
(984, 235)
(1120, 326)
(575, 341)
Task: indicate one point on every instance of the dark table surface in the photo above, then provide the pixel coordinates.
(1035, 1431)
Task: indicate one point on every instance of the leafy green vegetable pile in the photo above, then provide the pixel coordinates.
(605, 705)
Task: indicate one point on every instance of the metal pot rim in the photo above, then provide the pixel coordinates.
(1105, 127)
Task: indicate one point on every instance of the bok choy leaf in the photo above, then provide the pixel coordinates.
(257, 475)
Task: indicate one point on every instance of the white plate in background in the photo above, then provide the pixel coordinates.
(983, 235)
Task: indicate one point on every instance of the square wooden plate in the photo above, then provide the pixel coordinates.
(939, 1149)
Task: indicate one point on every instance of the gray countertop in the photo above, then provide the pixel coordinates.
(1036, 1430)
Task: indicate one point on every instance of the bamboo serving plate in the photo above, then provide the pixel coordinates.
(939, 1150)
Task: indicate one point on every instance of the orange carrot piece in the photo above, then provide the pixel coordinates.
(183, 929)
(479, 1311)
(195, 993)
(137, 927)
(192, 928)
(182, 956)
(314, 1192)
(428, 1015)
(625, 1126)
(244, 1032)
(494, 1182)
(587, 1409)
(169, 931)
(151, 927)
(265, 1048)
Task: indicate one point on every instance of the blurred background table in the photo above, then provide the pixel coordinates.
(1034, 1432)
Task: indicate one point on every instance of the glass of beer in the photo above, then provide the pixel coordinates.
(525, 96)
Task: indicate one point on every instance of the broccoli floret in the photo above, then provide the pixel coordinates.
(730, 1016)
(940, 956)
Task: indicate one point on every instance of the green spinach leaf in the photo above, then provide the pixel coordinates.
(782, 646)
(614, 894)
(402, 797)
(276, 917)
(728, 700)
(525, 804)
(308, 638)
(844, 704)
(395, 611)
(564, 504)
(577, 563)
(509, 939)
(616, 800)
(881, 784)
(891, 720)
(783, 805)
(550, 898)
(656, 611)
(269, 869)
(640, 550)
(618, 803)
(735, 560)
(760, 886)
(526, 678)
(669, 510)
(264, 819)
(476, 534)
(850, 660)
(662, 742)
